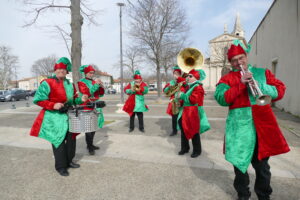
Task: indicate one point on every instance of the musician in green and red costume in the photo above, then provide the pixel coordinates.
(252, 132)
(192, 118)
(94, 89)
(177, 79)
(51, 124)
(135, 104)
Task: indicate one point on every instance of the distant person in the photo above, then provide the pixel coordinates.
(135, 104)
(252, 133)
(53, 94)
(94, 89)
(170, 89)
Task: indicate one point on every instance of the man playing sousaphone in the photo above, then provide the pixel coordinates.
(192, 118)
(252, 133)
(94, 89)
(135, 104)
(170, 89)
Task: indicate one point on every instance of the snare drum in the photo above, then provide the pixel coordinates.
(86, 121)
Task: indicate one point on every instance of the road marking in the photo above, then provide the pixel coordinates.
(124, 116)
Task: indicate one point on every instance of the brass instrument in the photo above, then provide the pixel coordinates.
(173, 89)
(187, 59)
(260, 98)
(175, 106)
(136, 88)
(190, 58)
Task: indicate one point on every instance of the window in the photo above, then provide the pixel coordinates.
(274, 65)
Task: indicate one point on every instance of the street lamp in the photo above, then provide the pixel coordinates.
(121, 52)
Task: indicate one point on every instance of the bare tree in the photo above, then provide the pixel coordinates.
(8, 66)
(132, 59)
(79, 10)
(155, 24)
(44, 66)
(169, 57)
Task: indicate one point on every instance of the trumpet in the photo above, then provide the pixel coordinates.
(135, 88)
(260, 98)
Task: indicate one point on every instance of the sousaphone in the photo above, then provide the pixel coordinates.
(190, 58)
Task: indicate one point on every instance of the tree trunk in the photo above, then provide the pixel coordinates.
(76, 23)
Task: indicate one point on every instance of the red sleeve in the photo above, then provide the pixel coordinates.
(271, 80)
(197, 95)
(127, 87)
(48, 105)
(83, 88)
(167, 85)
(233, 92)
(180, 79)
(101, 91)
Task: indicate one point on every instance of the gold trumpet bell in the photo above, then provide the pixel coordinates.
(190, 58)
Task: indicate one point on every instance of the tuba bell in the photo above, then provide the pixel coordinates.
(190, 58)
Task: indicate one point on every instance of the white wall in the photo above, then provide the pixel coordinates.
(278, 38)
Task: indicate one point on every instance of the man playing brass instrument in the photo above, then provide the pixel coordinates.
(170, 89)
(252, 133)
(135, 103)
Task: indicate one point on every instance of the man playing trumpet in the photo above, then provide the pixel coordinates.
(170, 89)
(135, 103)
(252, 133)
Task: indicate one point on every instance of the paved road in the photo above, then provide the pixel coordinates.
(134, 165)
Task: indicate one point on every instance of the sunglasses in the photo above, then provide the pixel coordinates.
(190, 76)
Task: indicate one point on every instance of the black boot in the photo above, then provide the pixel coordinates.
(91, 151)
(73, 165)
(63, 172)
(173, 133)
(89, 141)
(196, 146)
(182, 152)
(95, 147)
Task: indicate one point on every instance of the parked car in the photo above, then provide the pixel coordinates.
(152, 88)
(32, 93)
(14, 95)
(111, 91)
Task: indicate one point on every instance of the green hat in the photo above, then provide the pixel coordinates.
(176, 68)
(63, 63)
(202, 74)
(137, 75)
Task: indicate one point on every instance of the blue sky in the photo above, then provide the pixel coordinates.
(101, 43)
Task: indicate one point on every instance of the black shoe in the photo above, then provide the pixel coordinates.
(91, 151)
(195, 154)
(95, 147)
(74, 165)
(131, 129)
(142, 130)
(173, 133)
(181, 152)
(63, 172)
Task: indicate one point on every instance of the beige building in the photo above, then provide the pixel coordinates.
(30, 83)
(217, 65)
(276, 46)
